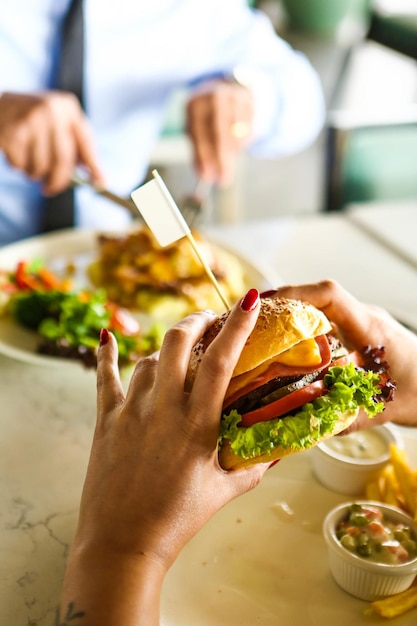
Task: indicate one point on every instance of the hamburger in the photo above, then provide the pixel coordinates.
(295, 384)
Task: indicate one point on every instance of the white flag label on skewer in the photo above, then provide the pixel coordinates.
(166, 222)
(160, 212)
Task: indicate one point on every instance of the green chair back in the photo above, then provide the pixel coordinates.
(378, 163)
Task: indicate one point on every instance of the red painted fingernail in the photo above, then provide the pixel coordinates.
(273, 463)
(104, 336)
(250, 301)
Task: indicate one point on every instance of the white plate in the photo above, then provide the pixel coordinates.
(262, 560)
(77, 247)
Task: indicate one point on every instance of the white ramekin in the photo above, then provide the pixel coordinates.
(347, 475)
(364, 579)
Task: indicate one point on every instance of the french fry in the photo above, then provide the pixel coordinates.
(392, 490)
(405, 477)
(373, 490)
(395, 483)
(398, 604)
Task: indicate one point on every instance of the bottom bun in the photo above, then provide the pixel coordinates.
(230, 461)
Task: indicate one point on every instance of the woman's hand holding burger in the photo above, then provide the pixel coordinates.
(154, 477)
(362, 324)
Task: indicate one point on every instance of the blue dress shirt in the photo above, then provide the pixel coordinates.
(136, 54)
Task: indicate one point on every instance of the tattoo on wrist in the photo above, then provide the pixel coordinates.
(69, 616)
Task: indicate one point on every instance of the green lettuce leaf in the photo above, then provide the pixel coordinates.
(349, 389)
(65, 317)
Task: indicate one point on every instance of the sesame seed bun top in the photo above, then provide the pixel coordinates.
(281, 324)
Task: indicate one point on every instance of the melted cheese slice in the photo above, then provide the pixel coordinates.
(304, 354)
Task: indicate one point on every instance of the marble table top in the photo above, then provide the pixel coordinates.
(47, 412)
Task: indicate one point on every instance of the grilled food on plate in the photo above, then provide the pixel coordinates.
(134, 288)
(169, 282)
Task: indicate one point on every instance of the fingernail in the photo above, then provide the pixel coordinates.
(249, 302)
(273, 463)
(266, 294)
(104, 336)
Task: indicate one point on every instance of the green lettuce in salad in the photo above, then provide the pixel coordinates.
(70, 324)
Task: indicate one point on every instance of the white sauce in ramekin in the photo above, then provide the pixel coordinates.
(365, 444)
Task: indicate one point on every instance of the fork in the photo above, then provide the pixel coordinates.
(198, 205)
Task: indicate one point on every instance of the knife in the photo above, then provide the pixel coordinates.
(193, 207)
(79, 181)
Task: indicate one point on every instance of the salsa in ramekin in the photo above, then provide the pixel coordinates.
(367, 532)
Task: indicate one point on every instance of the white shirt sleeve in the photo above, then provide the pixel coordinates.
(289, 102)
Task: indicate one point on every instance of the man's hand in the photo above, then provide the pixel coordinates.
(219, 122)
(46, 136)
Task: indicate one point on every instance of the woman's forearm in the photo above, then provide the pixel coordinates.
(102, 589)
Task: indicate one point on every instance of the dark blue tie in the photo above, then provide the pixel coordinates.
(59, 209)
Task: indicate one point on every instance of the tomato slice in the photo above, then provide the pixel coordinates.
(279, 369)
(350, 357)
(286, 404)
(123, 321)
